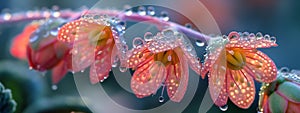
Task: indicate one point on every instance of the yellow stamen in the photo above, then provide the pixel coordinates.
(236, 59)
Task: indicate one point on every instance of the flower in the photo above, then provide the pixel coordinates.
(92, 45)
(45, 52)
(282, 95)
(20, 42)
(163, 60)
(232, 64)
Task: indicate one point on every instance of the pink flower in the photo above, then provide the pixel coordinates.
(92, 45)
(162, 61)
(233, 63)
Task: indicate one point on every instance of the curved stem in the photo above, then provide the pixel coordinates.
(37, 15)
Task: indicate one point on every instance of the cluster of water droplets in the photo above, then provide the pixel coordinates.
(254, 37)
(147, 11)
(44, 12)
(293, 75)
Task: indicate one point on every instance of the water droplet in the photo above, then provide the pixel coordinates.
(138, 42)
(128, 12)
(142, 11)
(169, 58)
(199, 43)
(224, 108)
(189, 47)
(273, 39)
(150, 11)
(101, 80)
(54, 87)
(164, 16)
(161, 99)
(7, 16)
(30, 68)
(55, 11)
(148, 36)
(114, 64)
(259, 35)
(267, 37)
(82, 71)
(188, 25)
(168, 33)
(123, 69)
(73, 72)
(284, 70)
(54, 32)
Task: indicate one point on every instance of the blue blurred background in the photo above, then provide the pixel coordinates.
(279, 18)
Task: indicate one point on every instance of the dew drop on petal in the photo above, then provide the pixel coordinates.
(128, 10)
(150, 11)
(199, 43)
(30, 68)
(123, 69)
(273, 39)
(101, 80)
(267, 37)
(54, 87)
(224, 108)
(164, 16)
(54, 32)
(138, 42)
(7, 16)
(168, 33)
(142, 11)
(82, 71)
(161, 99)
(148, 36)
(259, 35)
(114, 64)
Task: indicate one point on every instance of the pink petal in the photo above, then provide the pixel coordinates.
(241, 89)
(210, 60)
(137, 56)
(177, 78)
(293, 107)
(148, 78)
(58, 72)
(217, 83)
(249, 43)
(101, 67)
(82, 55)
(260, 66)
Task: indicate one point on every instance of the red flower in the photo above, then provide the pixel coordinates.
(45, 52)
(233, 63)
(92, 45)
(20, 42)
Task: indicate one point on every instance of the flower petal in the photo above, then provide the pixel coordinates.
(137, 56)
(241, 88)
(260, 66)
(290, 91)
(82, 56)
(216, 78)
(293, 107)
(248, 42)
(148, 78)
(19, 43)
(58, 72)
(211, 59)
(277, 104)
(101, 67)
(177, 78)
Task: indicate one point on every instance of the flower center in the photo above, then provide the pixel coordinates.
(167, 57)
(100, 36)
(236, 58)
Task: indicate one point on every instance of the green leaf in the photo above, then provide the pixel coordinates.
(277, 103)
(290, 90)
